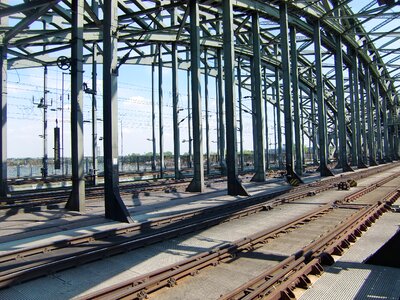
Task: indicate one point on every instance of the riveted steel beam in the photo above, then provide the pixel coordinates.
(197, 183)
(115, 208)
(323, 168)
(257, 109)
(287, 95)
(370, 121)
(234, 186)
(296, 102)
(76, 200)
(340, 102)
(3, 119)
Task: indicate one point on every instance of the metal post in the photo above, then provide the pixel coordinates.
(357, 122)
(370, 136)
(275, 112)
(314, 132)
(387, 156)
(296, 102)
(287, 95)
(353, 149)
(363, 126)
(197, 183)
(239, 76)
(122, 146)
(234, 186)
(153, 115)
(44, 106)
(301, 104)
(62, 125)
(379, 156)
(160, 110)
(115, 208)
(277, 124)
(94, 114)
(221, 114)
(257, 114)
(324, 171)
(175, 102)
(341, 106)
(189, 119)
(3, 119)
(217, 108)
(76, 200)
(206, 104)
(266, 119)
(396, 120)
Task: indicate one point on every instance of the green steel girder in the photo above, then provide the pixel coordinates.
(142, 24)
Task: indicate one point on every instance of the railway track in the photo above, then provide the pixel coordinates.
(55, 198)
(29, 263)
(342, 222)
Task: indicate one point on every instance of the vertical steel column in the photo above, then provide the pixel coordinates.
(115, 208)
(266, 118)
(197, 184)
(287, 95)
(277, 124)
(189, 117)
(391, 129)
(363, 125)
(160, 110)
(207, 116)
(3, 119)
(221, 113)
(76, 199)
(396, 142)
(217, 106)
(301, 104)
(153, 115)
(94, 113)
(370, 136)
(175, 102)
(357, 119)
(62, 125)
(239, 76)
(296, 102)
(253, 117)
(257, 115)
(322, 127)
(354, 158)
(379, 156)
(341, 118)
(387, 156)
(313, 130)
(44, 105)
(234, 186)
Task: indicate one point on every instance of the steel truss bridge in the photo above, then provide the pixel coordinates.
(329, 68)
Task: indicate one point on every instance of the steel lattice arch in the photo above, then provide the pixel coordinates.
(328, 68)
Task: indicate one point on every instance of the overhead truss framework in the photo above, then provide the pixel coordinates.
(358, 41)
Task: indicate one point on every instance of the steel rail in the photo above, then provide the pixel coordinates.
(157, 230)
(168, 227)
(283, 197)
(31, 201)
(48, 197)
(278, 282)
(140, 286)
